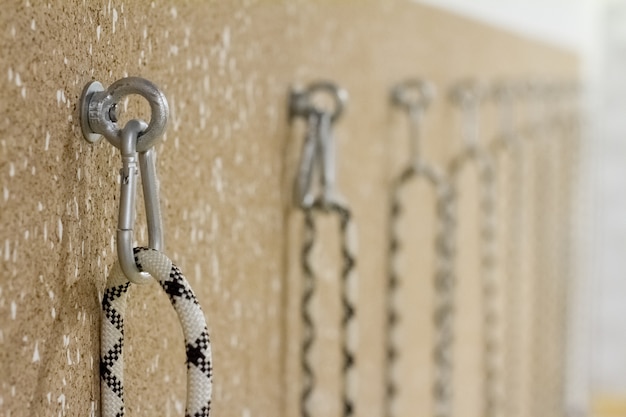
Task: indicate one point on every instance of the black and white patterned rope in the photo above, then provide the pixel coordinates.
(443, 281)
(348, 302)
(193, 323)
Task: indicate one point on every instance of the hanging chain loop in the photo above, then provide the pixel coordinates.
(468, 96)
(318, 158)
(414, 96)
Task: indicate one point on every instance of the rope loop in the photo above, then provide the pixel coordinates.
(193, 323)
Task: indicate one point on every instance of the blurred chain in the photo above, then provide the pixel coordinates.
(507, 149)
(444, 289)
(468, 98)
(393, 314)
(491, 344)
(445, 281)
(551, 143)
(541, 382)
(308, 325)
(414, 96)
(318, 160)
(565, 143)
(348, 302)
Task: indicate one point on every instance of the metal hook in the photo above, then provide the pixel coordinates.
(98, 111)
(413, 95)
(318, 146)
(302, 101)
(132, 163)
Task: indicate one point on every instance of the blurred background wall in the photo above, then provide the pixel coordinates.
(595, 29)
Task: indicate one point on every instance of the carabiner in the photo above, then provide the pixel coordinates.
(132, 164)
(318, 153)
(98, 118)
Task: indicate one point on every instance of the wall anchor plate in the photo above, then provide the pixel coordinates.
(85, 99)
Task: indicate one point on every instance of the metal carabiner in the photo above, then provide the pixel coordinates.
(318, 153)
(133, 163)
(136, 140)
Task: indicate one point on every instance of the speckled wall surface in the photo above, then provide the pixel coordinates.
(225, 166)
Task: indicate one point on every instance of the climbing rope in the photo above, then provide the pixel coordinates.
(197, 344)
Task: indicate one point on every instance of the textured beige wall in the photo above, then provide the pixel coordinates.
(224, 168)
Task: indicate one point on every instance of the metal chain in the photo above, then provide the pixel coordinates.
(308, 326)
(348, 302)
(392, 312)
(508, 144)
(318, 159)
(543, 278)
(562, 143)
(487, 183)
(491, 344)
(443, 282)
(443, 279)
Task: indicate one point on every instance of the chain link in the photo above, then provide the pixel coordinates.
(318, 158)
(348, 295)
(508, 145)
(491, 343)
(414, 97)
(308, 325)
(443, 282)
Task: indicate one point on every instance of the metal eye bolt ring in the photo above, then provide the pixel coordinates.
(467, 92)
(413, 96)
(301, 104)
(97, 111)
(413, 93)
(468, 95)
